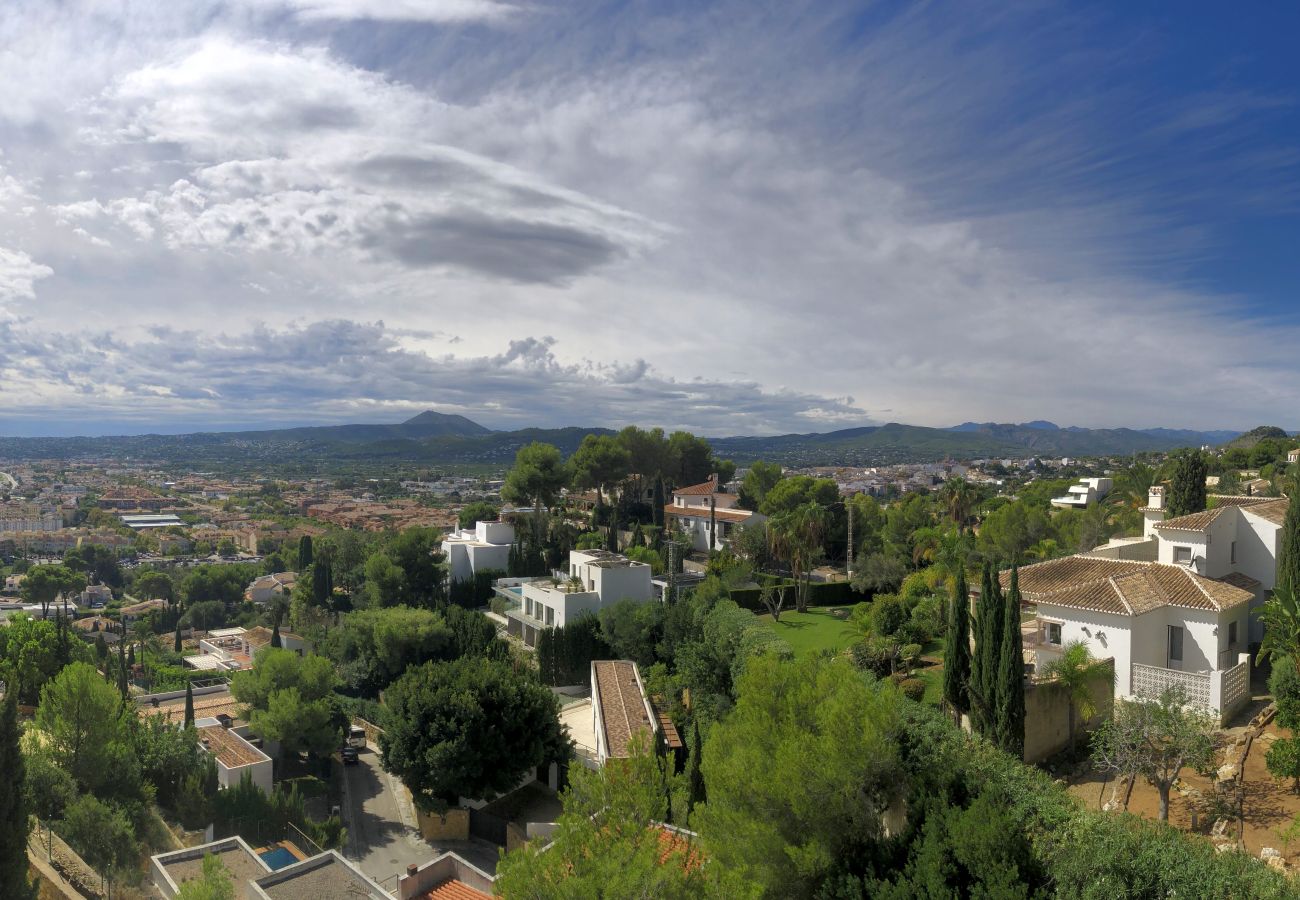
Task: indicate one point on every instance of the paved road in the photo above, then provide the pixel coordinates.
(380, 837)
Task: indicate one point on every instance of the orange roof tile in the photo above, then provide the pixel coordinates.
(1123, 587)
(707, 487)
(453, 890)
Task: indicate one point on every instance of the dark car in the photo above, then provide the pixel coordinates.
(350, 756)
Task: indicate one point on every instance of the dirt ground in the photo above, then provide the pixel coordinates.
(1269, 805)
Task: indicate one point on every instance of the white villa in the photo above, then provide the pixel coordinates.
(1173, 607)
(486, 546)
(595, 579)
(1084, 494)
(708, 514)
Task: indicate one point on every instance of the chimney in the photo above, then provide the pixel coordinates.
(1156, 497)
(411, 868)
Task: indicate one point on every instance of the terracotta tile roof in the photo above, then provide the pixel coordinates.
(1197, 521)
(1237, 500)
(1273, 510)
(453, 890)
(708, 487)
(1241, 580)
(701, 512)
(1124, 588)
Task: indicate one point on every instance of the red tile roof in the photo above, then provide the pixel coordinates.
(453, 890)
(708, 487)
(1124, 588)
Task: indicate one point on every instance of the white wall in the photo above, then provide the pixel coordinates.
(1106, 635)
(615, 583)
(1258, 542)
(1171, 539)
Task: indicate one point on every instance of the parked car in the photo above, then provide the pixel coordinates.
(350, 756)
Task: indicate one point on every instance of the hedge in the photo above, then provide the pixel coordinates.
(832, 593)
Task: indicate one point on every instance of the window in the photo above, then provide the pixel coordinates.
(1182, 554)
(550, 616)
(1175, 644)
(1054, 633)
(1232, 634)
(1232, 552)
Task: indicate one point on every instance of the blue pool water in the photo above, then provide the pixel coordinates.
(278, 858)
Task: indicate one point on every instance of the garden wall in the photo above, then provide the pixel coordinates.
(1047, 713)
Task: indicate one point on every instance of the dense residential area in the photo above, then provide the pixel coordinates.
(640, 669)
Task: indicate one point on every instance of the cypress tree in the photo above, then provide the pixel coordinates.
(122, 685)
(130, 658)
(984, 662)
(694, 775)
(275, 636)
(189, 704)
(659, 503)
(1011, 675)
(956, 654)
(14, 822)
(1187, 484)
(1288, 557)
(176, 644)
(305, 554)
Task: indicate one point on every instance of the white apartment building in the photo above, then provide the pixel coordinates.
(1084, 494)
(483, 548)
(595, 579)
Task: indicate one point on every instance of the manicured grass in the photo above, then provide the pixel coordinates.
(821, 628)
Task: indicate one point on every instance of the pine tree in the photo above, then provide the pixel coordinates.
(189, 704)
(1011, 675)
(1288, 557)
(1187, 484)
(956, 655)
(275, 636)
(14, 822)
(305, 554)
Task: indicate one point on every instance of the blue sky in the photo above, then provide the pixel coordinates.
(732, 217)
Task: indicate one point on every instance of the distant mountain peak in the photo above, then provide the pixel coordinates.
(1041, 425)
(446, 422)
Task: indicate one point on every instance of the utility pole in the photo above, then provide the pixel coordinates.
(848, 550)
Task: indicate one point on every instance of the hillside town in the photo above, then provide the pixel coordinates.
(287, 650)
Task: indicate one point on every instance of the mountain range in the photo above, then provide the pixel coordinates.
(434, 438)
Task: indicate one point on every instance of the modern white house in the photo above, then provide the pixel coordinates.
(708, 514)
(484, 547)
(1173, 608)
(271, 873)
(620, 709)
(1084, 494)
(595, 579)
(233, 753)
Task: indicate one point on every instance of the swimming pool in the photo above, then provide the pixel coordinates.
(278, 857)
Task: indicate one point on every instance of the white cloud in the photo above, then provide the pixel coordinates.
(670, 197)
(19, 274)
(436, 11)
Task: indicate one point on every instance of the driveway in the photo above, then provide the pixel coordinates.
(382, 838)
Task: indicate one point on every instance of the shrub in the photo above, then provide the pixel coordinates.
(875, 655)
(1284, 685)
(888, 613)
(912, 688)
(911, 654)
(1283, 761)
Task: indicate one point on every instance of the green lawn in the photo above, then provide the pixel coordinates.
(820, 628)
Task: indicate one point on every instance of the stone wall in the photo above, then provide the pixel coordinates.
(451, 826)
(1047, 713)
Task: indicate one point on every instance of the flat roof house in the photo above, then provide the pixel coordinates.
(1084, 494)
(486, 546)
(620, 708)
(325, 876)
(234, 755)
(595, 579)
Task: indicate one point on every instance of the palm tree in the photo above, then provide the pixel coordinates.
(1075, 673)
(796, 537)
(1280, 615)
(959, 499)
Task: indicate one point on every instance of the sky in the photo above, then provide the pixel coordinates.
(738, 217)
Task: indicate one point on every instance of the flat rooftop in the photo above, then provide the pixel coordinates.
(228, 748)
(242, 864)
(206, 706)
(323, 877)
